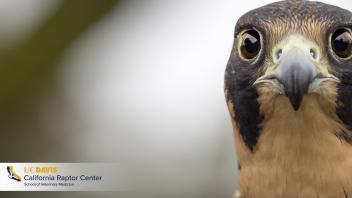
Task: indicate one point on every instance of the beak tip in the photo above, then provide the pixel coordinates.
(295, 107)
(296, 101)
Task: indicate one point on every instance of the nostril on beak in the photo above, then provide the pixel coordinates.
(314, 54)
(278, 54)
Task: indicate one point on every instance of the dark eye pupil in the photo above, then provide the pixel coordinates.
(342, 43)
(250, 46)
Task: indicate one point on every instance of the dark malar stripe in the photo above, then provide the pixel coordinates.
(344, 107)
(246, 107)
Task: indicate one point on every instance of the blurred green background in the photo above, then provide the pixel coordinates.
(57, 107)
(27, 71)
(81, 82)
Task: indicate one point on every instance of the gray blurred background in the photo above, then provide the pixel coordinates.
(136, 82)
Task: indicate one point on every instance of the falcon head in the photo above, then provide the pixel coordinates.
(286, 56)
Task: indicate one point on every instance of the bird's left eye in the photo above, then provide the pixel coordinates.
(341, 43)
(250, 44)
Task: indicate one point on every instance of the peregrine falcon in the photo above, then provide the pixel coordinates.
(288, 87)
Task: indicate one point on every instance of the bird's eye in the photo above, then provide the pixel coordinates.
(341, 43)
(250, 44)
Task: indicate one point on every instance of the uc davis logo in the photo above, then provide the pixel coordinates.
(12, 174)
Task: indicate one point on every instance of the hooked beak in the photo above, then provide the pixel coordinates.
(297, 73)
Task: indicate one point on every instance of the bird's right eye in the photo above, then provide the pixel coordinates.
(250, 44)
(341, 43)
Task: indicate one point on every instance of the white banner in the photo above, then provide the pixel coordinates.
(63, 177)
